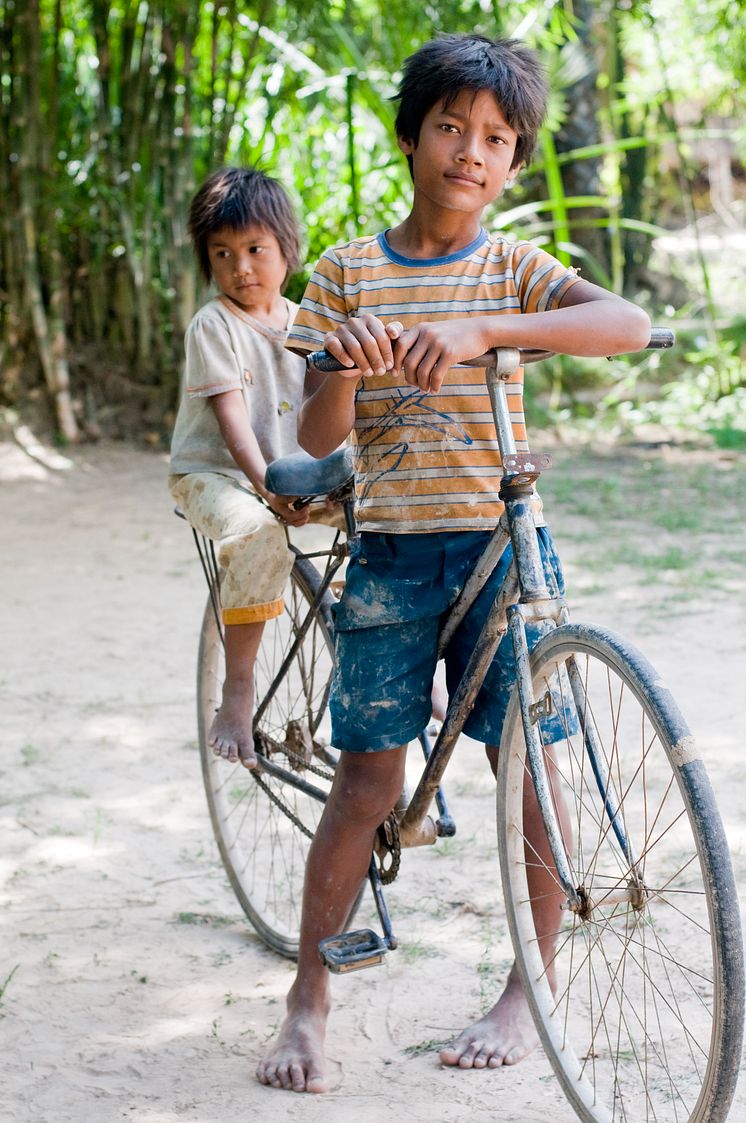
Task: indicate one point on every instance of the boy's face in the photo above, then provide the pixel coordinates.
(247, 265)
(464, 153)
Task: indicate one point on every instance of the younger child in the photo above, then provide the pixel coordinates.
(238, 412)
(401, 309)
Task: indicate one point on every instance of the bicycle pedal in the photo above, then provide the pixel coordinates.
(352, 951)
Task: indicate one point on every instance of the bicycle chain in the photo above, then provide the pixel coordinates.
(293, 757)
(324, 773)
(388, 832)
(279, 803)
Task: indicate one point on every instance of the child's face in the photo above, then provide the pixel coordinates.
(247, 265)
(464, 154)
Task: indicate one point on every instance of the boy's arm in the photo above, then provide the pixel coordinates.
(589, 321)
(327, 414)
(243, 446)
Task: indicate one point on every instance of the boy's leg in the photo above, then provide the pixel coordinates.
(255, 563)
(366, 787)
(231, 735)
(506, 1034)
(380, 697)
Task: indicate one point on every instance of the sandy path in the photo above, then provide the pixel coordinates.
(139, 993)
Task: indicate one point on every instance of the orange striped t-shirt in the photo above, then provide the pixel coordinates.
(426, 462)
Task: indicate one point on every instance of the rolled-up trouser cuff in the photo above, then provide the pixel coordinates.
(253, 613)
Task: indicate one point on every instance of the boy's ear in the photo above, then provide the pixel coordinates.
(405, 146)
(513, 174)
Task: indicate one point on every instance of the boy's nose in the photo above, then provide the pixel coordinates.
(243, 265)
(469, 151)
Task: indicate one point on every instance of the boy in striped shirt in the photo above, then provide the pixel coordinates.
(400, 310)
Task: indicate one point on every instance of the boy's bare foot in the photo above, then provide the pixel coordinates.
(296, 1060)
(504, 1036)
(231, 736)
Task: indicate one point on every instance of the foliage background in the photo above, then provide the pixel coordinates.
(112, 111)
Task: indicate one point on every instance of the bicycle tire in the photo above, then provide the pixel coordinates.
(264, 820)
(645, 1021)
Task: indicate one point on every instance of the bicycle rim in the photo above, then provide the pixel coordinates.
(264, 821)
(643, 1019)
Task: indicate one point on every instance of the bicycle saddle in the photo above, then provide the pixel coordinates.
(302, 474)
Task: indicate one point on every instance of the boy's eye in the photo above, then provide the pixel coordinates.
(448, 128)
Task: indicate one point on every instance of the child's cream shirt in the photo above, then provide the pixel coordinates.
(227, 349)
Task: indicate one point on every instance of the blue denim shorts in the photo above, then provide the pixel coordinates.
(398, 589)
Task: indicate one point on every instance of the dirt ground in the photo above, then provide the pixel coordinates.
(134, 988)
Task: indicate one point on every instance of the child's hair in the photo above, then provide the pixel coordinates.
(237, 198)
(441, 69)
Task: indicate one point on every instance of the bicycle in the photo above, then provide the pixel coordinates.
(644, 1015)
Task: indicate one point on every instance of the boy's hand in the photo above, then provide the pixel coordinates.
(423, 353)
(363, 344)
(426, 353)
(281, 505)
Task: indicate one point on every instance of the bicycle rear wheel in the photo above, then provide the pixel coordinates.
(644, 1019)
(264, 820)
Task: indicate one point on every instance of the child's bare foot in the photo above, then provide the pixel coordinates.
(296, 1060)
(504, 1036)
(231, 736)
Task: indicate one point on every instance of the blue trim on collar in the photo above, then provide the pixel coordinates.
(415, 262)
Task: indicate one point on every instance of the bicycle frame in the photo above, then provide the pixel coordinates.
(524, 596)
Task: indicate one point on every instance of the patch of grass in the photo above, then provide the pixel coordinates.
(428, 1046)
(702, 579)
(675, 518)
(29, 755)
(416, 950)
(203, 919)
(590, 588)
(673, 557)
(446, 847)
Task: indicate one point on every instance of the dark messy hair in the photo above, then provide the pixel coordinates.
(237, 198)
(440, 70)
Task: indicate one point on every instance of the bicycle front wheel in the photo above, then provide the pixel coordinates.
(264, 820)
(638, 995)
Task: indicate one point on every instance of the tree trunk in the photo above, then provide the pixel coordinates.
(48, 322)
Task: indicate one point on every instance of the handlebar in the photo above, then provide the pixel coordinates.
(661, 339)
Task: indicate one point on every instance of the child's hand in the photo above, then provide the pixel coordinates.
(281, 505)
(363, 344)
(426, 353)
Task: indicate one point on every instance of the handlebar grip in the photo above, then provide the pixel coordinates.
(323, 361)
(660, 339)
